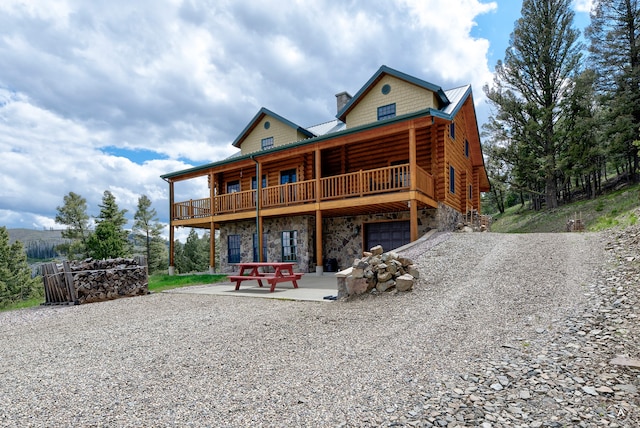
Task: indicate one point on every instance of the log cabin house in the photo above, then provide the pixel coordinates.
(403, 156)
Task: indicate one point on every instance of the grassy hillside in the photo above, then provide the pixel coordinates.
(610, 210)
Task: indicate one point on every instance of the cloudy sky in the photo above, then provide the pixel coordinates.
(109, 95)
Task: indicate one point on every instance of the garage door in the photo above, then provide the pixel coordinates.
(390, 235)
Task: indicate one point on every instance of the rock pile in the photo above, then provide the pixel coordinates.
(377, 271)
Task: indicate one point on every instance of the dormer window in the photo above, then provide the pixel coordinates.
(267, 143)
(387, 112)
(452, 131)
(466, 148)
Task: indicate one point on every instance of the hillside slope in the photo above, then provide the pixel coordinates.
(609, 210)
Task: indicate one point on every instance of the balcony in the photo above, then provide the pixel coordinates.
(352, 185)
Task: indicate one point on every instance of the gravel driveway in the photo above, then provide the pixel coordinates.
(483, 340)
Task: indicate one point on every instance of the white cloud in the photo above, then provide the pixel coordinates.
(583, 5)
(176, 82)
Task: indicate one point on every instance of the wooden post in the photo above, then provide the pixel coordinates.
(258, 215)
(413, 184)
(171, 231)
(212, 248)
(319, 249)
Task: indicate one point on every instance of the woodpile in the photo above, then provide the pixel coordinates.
(377, 272)
(94, 280)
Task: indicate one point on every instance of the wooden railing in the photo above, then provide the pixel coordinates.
(193, 208)
(234, 202)
(425, 183)
(289, 194)
(362, 183)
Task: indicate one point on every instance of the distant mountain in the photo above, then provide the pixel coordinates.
(27, 235)
(38, 244)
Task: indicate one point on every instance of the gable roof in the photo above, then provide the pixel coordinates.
(383, 71)
(258, 117)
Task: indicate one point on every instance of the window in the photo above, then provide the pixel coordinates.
(288, 176)
(387, 112)
(267, 143)
(289, 245)
(255, 247)
(452, 180)
(470, 192)
(466, 148)
(253, 182)
(233, 248)
(233, 186)
(452, 131)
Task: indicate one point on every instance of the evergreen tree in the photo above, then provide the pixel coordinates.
(106, 242)
(614, 36)
(147, 232)
(109, 239)
(543, 55)
(15, 275)
(110, 212)
(196, 252)
(73, 214)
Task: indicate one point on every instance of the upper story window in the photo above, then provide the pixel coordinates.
(452, 180)
(288, 176)
(267, 143)
(452, 131)
(466, 148)
(254, 182)
(233, 186)
(387, 112)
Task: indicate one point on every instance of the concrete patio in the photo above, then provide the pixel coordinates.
(312, 287)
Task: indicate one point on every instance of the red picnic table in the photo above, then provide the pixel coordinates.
(283, 272)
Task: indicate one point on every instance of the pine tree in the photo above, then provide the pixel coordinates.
(109, 239)
(73, 214)
(15, 275)
(147, 232)
(543, 55)
(614, 48)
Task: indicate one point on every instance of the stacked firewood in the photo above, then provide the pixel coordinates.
(97, 280)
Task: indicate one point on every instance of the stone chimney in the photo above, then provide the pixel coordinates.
(342, 99)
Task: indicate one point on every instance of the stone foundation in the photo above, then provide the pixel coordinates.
(343, 238)
(272, 228)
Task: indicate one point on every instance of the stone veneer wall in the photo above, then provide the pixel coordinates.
(273, 228)
(448, 218)
(344, 236)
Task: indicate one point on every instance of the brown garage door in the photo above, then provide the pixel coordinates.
(390, 235)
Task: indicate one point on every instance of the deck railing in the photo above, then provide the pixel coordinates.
(356, 184)
(193, 208)
(361, 183)
(236, 201)
(289, 194)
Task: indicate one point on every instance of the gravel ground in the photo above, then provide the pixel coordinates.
(501, 330)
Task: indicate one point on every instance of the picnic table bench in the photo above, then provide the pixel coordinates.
(283, 272)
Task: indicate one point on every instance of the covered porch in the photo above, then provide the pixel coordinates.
(386, 169)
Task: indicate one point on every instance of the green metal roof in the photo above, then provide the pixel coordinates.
(266, 112)
(395, 73)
